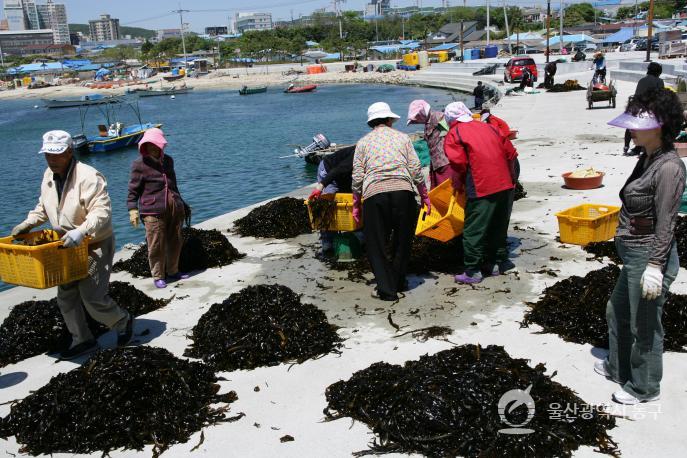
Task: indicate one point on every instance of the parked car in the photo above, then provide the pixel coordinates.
(515, 66)
(629, 45)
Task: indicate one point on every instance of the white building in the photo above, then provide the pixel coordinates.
(104, 29)
(30, 15)
(244, 22)
(163, 34)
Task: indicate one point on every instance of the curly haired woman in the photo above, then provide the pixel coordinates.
(646, 244)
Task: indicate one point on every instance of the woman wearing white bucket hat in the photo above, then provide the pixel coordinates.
(645, 241)
(385, 168)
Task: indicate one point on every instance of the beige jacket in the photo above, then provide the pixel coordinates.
(85, 203)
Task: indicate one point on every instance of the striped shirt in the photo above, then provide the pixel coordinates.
(385, 161)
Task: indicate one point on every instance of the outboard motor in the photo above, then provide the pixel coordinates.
(319, 142)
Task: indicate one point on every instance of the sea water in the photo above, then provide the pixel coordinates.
(226, 147)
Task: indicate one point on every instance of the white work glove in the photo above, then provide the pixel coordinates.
(651, 282)
(72, 238)
(134, 217)
(19, 229)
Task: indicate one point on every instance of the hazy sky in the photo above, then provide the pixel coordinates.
(155, 14)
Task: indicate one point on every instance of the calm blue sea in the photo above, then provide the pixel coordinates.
(226, 147)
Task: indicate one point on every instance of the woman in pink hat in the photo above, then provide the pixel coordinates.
(154, 197)
(645, 241)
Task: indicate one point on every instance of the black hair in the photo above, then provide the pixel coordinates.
(479, 82)
(654, 68)
(665, 106)
(378, 122)
(485, 110)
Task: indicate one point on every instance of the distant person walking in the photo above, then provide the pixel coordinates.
(154, 196)
(386, 170)
(651, 81)
(478, 93)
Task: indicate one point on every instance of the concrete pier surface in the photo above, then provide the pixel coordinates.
(557, 133)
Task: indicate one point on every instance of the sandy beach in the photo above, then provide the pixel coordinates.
(557, 133)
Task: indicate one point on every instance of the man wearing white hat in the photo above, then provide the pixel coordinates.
(386, 171)
(75, 201)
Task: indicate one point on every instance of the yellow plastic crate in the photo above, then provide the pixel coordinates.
(343, 217)
(42, 266)
(447, 218)
(587, 223)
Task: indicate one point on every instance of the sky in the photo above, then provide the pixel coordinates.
(156, 14)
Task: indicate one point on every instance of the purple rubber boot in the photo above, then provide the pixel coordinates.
(469, 278)
(178, 276)
(160, 283)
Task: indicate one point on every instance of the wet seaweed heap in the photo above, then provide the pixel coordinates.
(681, 238)
(603, 249)
(575, 309)
(262, 325)
(279, 219)
(569, 85)
(37, 327)
(447, 404)
(520, 192)
(202, 249)
(122, 398)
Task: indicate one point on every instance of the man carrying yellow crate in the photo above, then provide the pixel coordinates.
(74, 199)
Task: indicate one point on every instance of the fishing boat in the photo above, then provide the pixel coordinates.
(172, 77)
(84, 100)
(245, 90)
(298, 89)
(118, 136)
(163, 91)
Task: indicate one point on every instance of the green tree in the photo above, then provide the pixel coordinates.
(580, 13)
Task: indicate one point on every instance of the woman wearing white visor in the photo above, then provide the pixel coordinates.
(646, 244)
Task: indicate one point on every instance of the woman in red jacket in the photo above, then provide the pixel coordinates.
(483, 162)
(154, 196)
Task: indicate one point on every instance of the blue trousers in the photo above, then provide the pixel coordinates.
(635, 331)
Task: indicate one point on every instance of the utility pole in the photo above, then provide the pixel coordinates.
(488, 23)
(183, 39)
(650, 30)
(548, 29)
(505, 17)
(462, 22)
(560, 16)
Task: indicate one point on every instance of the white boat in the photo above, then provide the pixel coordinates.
(84, 100)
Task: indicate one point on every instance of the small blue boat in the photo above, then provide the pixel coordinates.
(117, 138)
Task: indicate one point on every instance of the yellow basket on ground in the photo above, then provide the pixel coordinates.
(342, 219)
(42, 266)
(447, 218)
(587, 223)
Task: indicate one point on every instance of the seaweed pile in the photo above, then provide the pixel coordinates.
(202, 249)
(575, 309)
(262, 325)
(449, 404)
(279, 219)
(37, 327)
(121, 398)
(603, 249)
(681, 238)
(569, 85)
(46, 236)
(520, 192)
(323, 211)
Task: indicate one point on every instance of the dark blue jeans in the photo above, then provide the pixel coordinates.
(635, 331)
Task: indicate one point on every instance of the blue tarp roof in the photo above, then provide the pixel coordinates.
(28, 68)
(621, 35)
(579, 38)
(91, 67)
(387, 49)
(335, 55)
(408, 42)
(444, 47)
(525, 36)
(76, 63)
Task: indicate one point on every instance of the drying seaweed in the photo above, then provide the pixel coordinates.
(279, 219)
(568, 86)
(323, 211)
(575, 309)
(37, 327)
(121, 398)
(520, 192)
(46, 236)
(262, 325)
(681, 238)
(447, 404)
(603, 249)
(202, 249)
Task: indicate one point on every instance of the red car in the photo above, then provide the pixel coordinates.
(515, 66)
